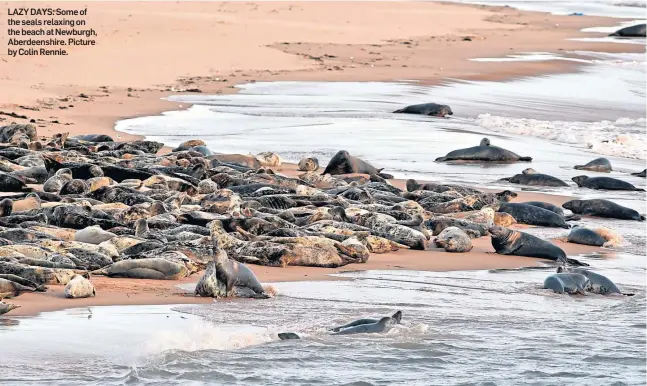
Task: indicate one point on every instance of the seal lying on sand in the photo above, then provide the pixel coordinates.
(597, 283)
(533, 215)
(79, 287)
(6, 307)
(152, 268)
(597, 165)
(602, 208)
(344, 163)
(484, 153)
(432, 109)
(634, 31)
(508, 242)
(604, 183)
(396, 318)
(585, 236)
(570, 283)
(531, 178)
(453, 239)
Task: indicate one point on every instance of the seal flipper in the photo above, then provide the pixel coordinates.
(627, 294)
(577, 262)
(288, 335)
(527, 159)
(580, 290)
(572, 217)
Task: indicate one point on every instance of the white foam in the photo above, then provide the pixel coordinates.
(624, 137)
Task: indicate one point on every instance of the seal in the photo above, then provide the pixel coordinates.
(6, 307)
(432, 109)
(602, 208)
(601, 164)
(598, 284)
(309, 164)
(531, 178)
(453, 239)
(74, 187)
(585, 236)
(483, 153)
(382, 325)
(79, 287)
(634, 31)
(570, 283)
(509, 242)
(533, 215)
(546, 205)
(225, 277)
(6, 207)
(344, 163)
(93, 235)
(151, 268)
(13, 288)
(395, 318)
(9, 183)
(642, 174)
(93, 138)
(604, 183)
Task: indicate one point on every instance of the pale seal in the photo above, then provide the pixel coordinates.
(602, 208)
(453, 239)
(6, 307)
(597, 165)
(604, 183)
(309, 164)
(570, 283)
(483, 153)
(79, 287)
(93, 235)
(13, 288)
(432, 109)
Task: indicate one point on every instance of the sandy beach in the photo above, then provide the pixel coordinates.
(148, 51)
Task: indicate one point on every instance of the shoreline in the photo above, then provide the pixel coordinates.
(397, 55)
(376, 56)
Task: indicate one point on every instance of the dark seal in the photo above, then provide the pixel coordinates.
(432, 109)
(531, 178)
(585, 236)
(597, 165)
(602, 208)
(634, 31)
(533, 215)
(483, 153)
(604, 183)
(344, 163)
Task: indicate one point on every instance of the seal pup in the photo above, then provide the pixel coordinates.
(344, 163)
(570, 283)
(530, 177)
(642, 174)
(597, 283)
(585, 236)
(604, 183)
(482, 153)
(395, 318)
(56, 182)
(453, 239)
(93, 235)
(634, 31)
(309, 164)
(602, 208)
(79, 287)
(533, 215)
(601, 164)
(509, 242)
(382, 325)
(432, 109)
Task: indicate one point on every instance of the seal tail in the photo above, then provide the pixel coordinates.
(627, 294)
(441, 159)
(288, 335)
(527, 159)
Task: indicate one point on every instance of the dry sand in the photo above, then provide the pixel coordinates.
(148, 50)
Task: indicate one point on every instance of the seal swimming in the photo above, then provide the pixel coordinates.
(601, 164)
(509, 242)
(602, 208)
(570, 283)
(360, 326)
(604, 183)
(431, 109)
(396, 318)
(597, 283)
(483, 153)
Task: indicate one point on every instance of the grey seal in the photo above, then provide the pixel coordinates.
(533, 215)
(642, 174)
(531, 178)
(309, 164)
(13, 288)
(634, 31)
(382, 325)
(432, 109)
(570, 283)
(598, 284)
(56, 182)
(509, 242)
(453, 239)
(585, 236)
(396, 318)
(79, 287)
(602, 208)
(344, 163)
(483, 153)
(6, 307)
(151, 268)
(597, 165)
(604, 183)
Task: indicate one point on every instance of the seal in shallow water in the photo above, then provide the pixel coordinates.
(6, 307)
(508, 242)
(395, 318)
(570, 283)
(597, 283)
(597, 165)
(602, 208)
(604, 183)
(585, 236)
(634, 31)
(533, 215)
(483, 153)
(432, 109)
(382, 325)
(531, 178)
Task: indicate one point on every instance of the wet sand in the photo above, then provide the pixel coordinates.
(145, 52)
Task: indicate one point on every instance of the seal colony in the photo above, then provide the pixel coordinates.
(84, 206)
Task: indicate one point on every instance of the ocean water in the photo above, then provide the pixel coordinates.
(458, 328)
